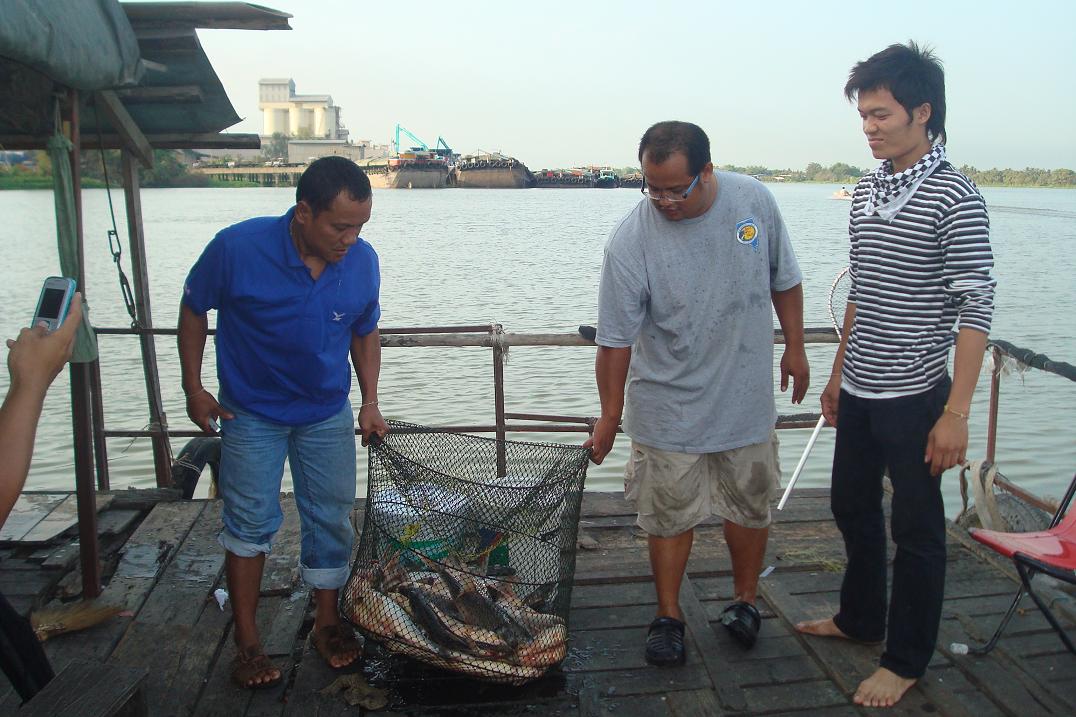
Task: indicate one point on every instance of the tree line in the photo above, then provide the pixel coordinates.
(171, 169)
(841, 173)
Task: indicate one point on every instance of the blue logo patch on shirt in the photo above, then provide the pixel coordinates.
(747, 232)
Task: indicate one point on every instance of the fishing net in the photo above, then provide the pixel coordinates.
(467, 553)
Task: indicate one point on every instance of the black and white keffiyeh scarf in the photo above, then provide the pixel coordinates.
(890, 192)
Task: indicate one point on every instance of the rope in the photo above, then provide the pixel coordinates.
(498, 340)
(982, 487)
(114, 246)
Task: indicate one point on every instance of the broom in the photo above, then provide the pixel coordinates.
(71, 618)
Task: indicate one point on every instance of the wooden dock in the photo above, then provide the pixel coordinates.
(163, 575)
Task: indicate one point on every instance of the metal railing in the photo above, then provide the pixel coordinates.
(999, 351)
(491, 336)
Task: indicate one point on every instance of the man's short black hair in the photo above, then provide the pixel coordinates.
(664, 138)
(325, 178)
(912, 75)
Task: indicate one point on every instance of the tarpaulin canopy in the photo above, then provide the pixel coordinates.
(146, 54)
(85, 44)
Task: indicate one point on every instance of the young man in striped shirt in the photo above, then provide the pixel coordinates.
(920, 264)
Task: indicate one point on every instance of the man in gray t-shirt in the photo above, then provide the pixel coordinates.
(684, 321)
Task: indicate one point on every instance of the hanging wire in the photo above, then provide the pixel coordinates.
(114, 245)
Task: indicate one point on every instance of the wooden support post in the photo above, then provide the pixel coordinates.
(81, 416)
(995, 397)
(162, 451)
(128, 131)
(97, 412)
(496, 332)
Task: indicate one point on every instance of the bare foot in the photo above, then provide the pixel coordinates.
(828, 628)
(821, 628)
(882, 689)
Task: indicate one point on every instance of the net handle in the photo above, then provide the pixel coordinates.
(838, 293)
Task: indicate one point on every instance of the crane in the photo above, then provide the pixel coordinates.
(444, 151)
(420, 144)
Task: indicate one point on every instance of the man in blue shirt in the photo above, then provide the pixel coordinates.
(294, 295)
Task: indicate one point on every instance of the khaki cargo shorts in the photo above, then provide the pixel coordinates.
(673, 492)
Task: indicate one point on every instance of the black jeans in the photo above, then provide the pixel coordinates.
(22, 658)
(875, 436)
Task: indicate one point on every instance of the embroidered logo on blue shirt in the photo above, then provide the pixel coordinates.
(747, 232)
(338, 316)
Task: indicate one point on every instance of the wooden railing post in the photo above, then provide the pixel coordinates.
(81, 403)
(162, 450)
(995, 396)
(496, 333)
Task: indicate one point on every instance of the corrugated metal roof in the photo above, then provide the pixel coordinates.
(167, 85)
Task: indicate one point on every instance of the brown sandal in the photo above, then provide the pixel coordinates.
(251, 662)
(334, 640)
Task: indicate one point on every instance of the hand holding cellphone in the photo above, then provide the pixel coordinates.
(54, 302)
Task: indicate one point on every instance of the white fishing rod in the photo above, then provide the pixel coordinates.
(838, 302)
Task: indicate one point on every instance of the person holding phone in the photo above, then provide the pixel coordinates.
(295, 295)
(33, 361)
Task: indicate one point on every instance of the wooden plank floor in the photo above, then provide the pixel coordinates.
(167, 570)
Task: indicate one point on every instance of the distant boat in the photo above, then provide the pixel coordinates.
(841, 193)
(607, 179)
(410, 169)
(491, 171)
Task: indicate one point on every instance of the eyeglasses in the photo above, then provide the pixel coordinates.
(667, 195)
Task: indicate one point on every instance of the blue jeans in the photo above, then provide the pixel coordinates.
(322, 460)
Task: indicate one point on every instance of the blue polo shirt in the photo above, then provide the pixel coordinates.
(283, 339)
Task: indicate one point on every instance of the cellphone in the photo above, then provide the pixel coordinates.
(54, 302)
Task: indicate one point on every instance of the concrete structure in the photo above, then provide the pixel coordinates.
(302, 151)
(306, 116)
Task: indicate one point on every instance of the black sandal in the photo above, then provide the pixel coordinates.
(743, 622)
(665, 642)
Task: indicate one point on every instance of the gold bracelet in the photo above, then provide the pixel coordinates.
(203, 388)
(368, 403)
(958, 414)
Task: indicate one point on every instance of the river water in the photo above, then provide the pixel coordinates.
(529, 260)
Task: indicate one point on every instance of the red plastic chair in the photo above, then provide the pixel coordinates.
(1051, 551)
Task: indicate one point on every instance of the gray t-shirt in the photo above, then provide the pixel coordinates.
(692, 299)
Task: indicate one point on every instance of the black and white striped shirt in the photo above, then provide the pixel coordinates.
(915, 281)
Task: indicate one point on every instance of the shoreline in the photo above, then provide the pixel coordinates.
(45, 183)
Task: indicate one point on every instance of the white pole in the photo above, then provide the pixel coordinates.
(803, 459)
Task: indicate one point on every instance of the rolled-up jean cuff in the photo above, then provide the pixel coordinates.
(324, 578)
(242, 548)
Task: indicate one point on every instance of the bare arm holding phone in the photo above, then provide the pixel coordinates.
(33, 361)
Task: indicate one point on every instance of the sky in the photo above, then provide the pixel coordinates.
(559, 84)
